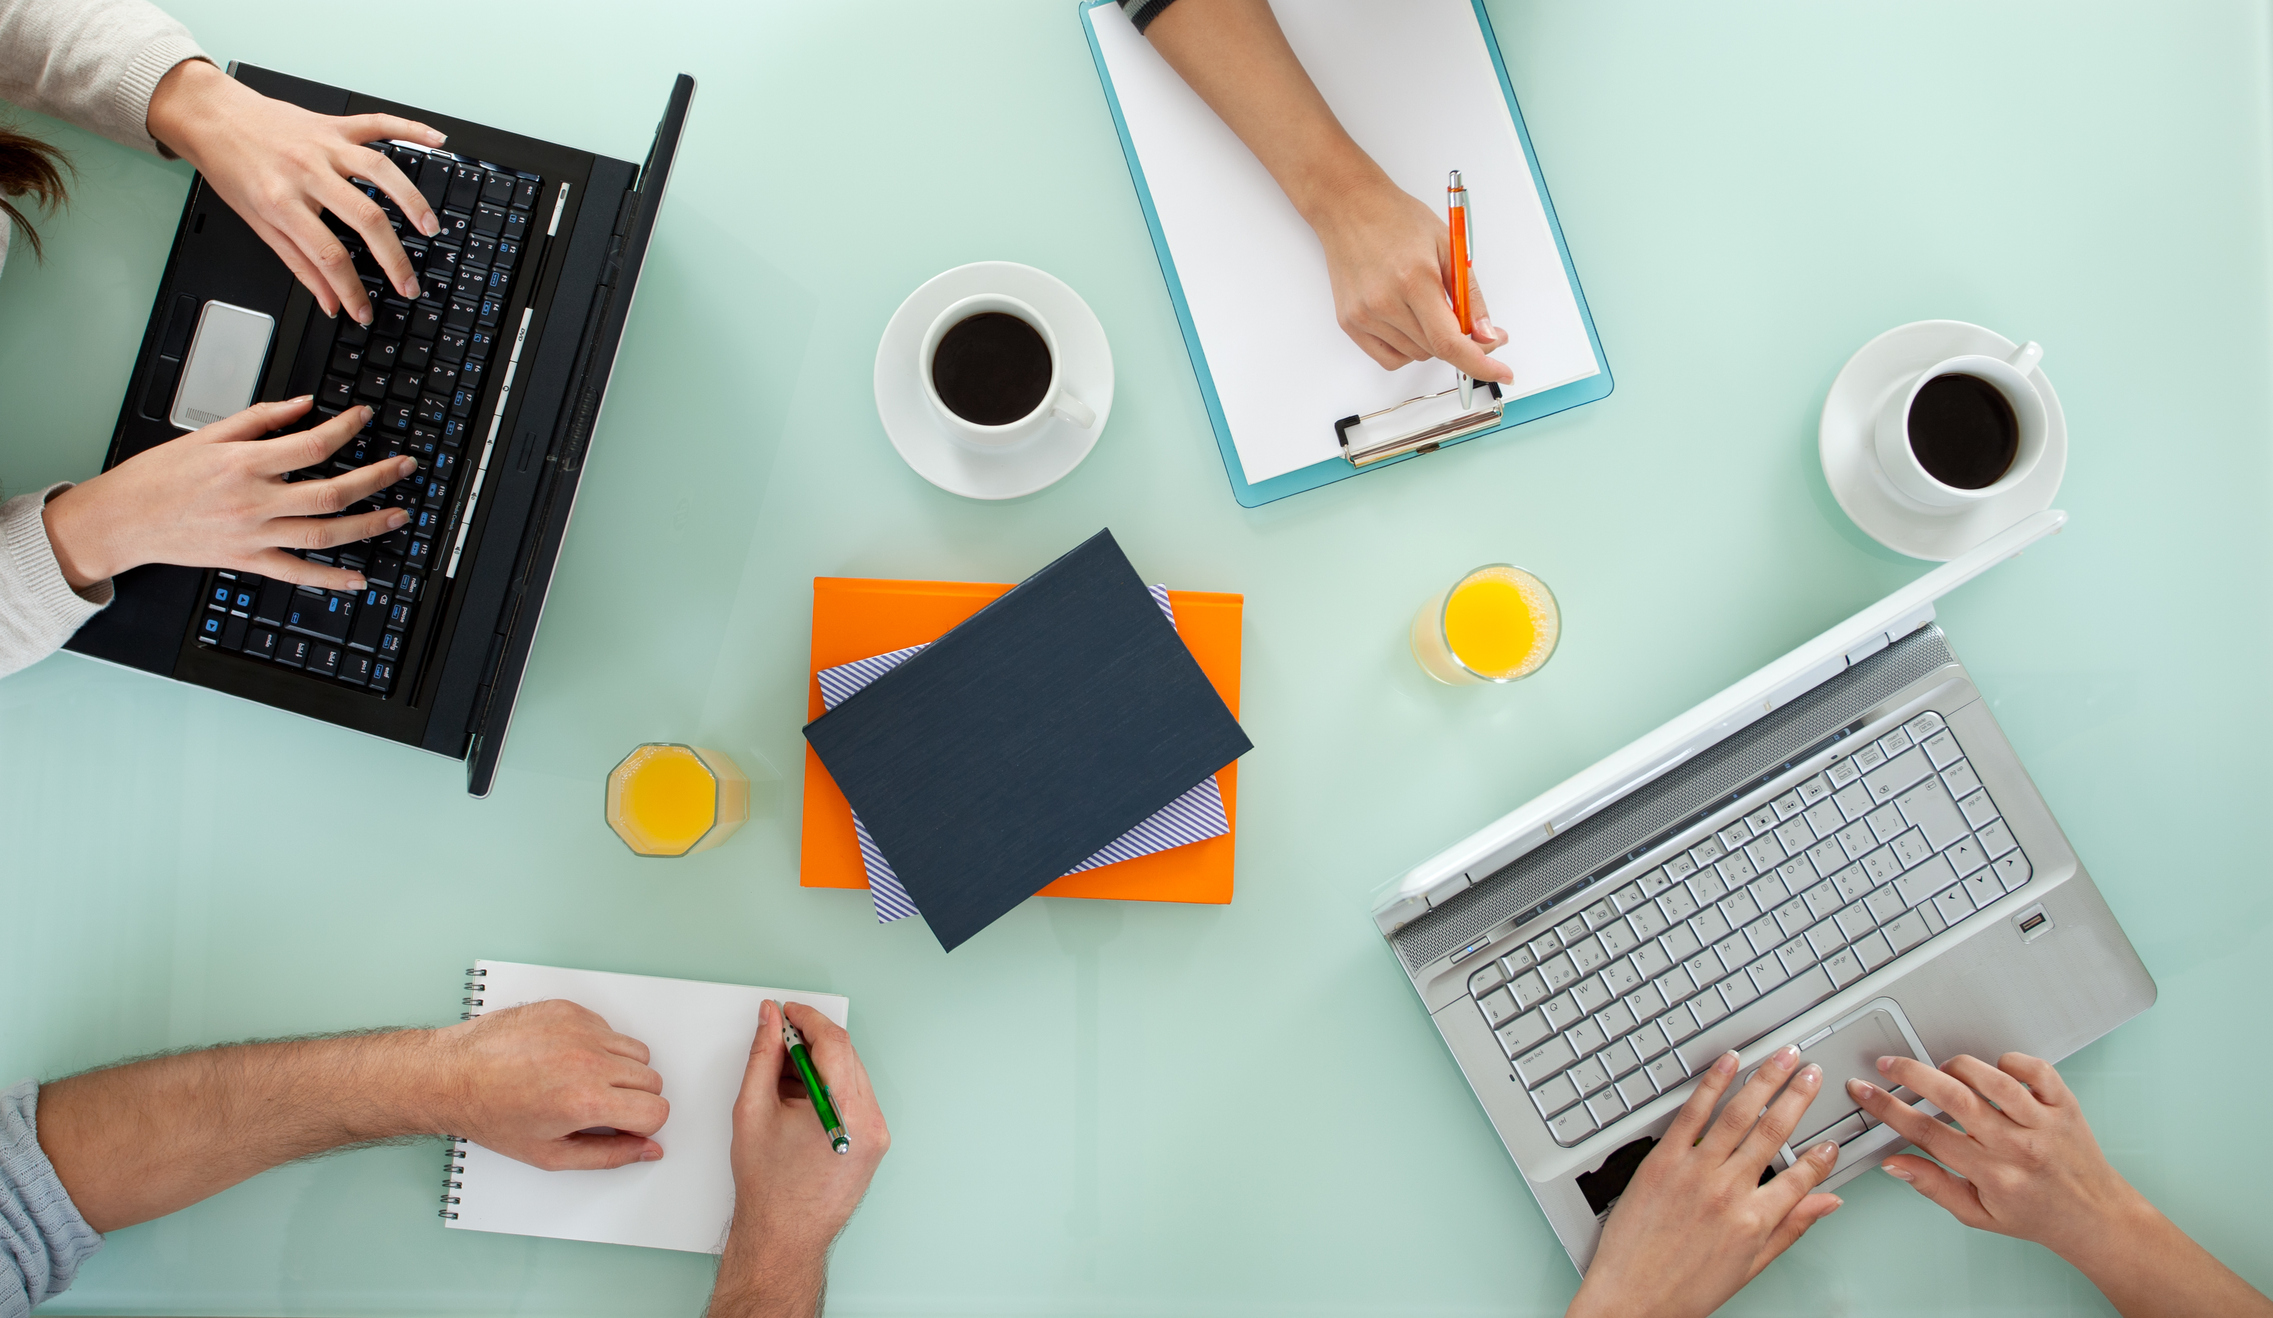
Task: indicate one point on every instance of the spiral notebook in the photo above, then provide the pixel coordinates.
(698, 1037)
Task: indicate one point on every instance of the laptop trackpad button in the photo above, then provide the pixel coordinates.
(1851, 1052)
(223, 367)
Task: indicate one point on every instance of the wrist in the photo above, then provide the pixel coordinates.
(2115, 1219)
(765, 1273)
(185, 103)
(80, 536)
(409, 1081)
(1335, 180)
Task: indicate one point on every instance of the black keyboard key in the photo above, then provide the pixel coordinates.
(382, 354)
(383, 568)
(424, 524)
(441, 378)
(451, 344)
(371, 618)
(446, 464)
(416, 352)
(469, 375)
(396, 542)
(396, 417)
(508, 254)
(516, 226)
(371, 385)
(455, 430)
(426, 320)
(415, 249)
(500, 282)
(244, 594)
(460, 316)
(442, 261)
(465, 187)
(218, 595)
(433, 409)
(292, 651)
(492, 310)
(456, 225)
(324, 657)
(355, 669)
(497, 189)
(525, 192)
(326, 615)
(233, 633)
(489, 220)
(437, 492)
(481, 252)
(275, 602)
(479, 343)
(260, 643)
(391, 319)
(404, 386)
(410, 587)
(398, 617)
(336, 393)
(462, 402)
(209, 627)
(382, 676)
(390, 645)
(433, 178)
(346, 359)
(470, 286)
(352, 331)
(421, 555)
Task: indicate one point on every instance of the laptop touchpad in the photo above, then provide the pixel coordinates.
(223, 367)
(1851, 1052)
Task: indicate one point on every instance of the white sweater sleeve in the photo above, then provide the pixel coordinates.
(93, 63)
(38, 608)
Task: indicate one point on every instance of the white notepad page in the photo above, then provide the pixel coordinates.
(698, 1037)
(1415, 86)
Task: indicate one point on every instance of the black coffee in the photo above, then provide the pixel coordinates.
(991, 369)
(1963, 431)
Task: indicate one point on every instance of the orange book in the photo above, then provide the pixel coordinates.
(858, 618)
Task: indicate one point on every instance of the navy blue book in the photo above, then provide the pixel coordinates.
(1045, 726)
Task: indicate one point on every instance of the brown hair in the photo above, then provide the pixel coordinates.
(29, 167)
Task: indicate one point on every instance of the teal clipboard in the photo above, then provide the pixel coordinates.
(1254, 494)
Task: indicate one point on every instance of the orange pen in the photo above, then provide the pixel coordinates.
(1456, 208)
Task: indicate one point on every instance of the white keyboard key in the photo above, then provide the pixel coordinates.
(1924, 881)
(1559, 972)
(1982, 888)
(1636, 1089)
(1544, 1061)
(1707, 886)
(1826, 938)
(1617, 939)
(1978, 810)
(1952, 905)
(1894, 743)
(1761, 820)
(1706, 852)
(1710, 926)
(1845, 967)
(1560, 1011)
(1733, 836)
(2012, 870)
(1739, 909)
(1615, 1019)
(1797, 874)
(1874, 951)
(1827, 857)
(1704, 970)
(1769, 891)
(1606, 1107)
(1650, 1040)
(1554, 1095)
(1734, 951)
(1942, 749)
(1647, 922)
(1912, 848)
(1823, 899)
(1854, 800)
(1650, 960)
(1820, 821)
(1590, 995)
(1709, 1006)
(1676, 984)
(1765, 853)
(1961, 779)
(1735, 991)
(1677, 905)
(1680, 1023)
(1886, 821)
(1842, 774)
(1487, 979)
(1813, 789)
(1679, 868)
(1589, 1075)
(1881, 866)
(1737, 869)
(1544, 947)
(1584, 1037)
(1571, 930)
(1966, 856)
(1629, 897)
(1997, 839)
(1766, 973)
(1621, 978)
(1600, 914)
(1907, 930)
(1793, 916)
(1923, 726)
(1667, 1071)
(1523, 1034)
(1530, 989)
(1653, 882)
(1852, 882)
(1788, 805)
(1680, 943)
(1572, 1126)
(1869, 758)
(1855, 921)
(1884, 904)
(1796, 956)
(1929, 806)
(1763, 935)
(1587, 954)
(1645, 1002)
(1498, 1007)
(1855, 839)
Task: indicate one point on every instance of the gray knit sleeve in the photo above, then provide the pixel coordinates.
(1142, 12)
(43, 1240)
(38, 608)
(94, 63)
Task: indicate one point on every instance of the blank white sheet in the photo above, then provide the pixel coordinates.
(698, 1037)
(1414, 84)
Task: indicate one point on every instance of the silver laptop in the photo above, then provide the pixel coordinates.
(1841, 851)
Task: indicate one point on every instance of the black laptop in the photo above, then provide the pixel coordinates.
(492, 381)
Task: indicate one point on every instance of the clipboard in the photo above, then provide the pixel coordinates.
(1513, 411)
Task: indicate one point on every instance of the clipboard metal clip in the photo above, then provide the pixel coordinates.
(1428, 422)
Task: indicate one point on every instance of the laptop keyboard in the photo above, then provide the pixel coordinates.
(425, 369)
(1781, 904)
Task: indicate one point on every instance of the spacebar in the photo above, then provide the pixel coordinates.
(1756, 1018)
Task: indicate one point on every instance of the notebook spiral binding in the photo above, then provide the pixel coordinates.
(453, 1167)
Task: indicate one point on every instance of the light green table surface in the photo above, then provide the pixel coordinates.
(1221, 1110)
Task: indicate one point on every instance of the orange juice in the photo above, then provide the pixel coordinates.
(666, 799)
(1496, 624)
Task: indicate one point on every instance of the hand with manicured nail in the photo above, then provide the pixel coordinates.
(2021, 1161)
(1695, 1224)
(281, 167)
(217, 497)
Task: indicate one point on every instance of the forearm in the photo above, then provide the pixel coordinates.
(140, 1140)
(763, 1275)
(2148, 1268)
(1232, 53)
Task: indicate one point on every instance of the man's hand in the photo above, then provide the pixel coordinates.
(1695, 1224)
(792, 1192)
(281, 167)
(217, 497)
(551, 1085)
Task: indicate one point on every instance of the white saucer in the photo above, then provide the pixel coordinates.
(966, 469)
(1850, 464)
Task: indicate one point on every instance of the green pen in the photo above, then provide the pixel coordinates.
(822, 1107)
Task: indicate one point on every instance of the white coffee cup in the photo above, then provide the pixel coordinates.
(2009, 377)
(1057, 401)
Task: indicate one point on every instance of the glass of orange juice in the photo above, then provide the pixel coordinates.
(665, 799)
(1496, 624)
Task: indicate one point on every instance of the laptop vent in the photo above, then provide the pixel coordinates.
(1702, 784)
